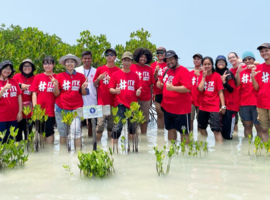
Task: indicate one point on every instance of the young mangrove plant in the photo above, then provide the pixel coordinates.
(67, 118)
(116, 120)
(39, 117)
(67, 168)
(12, 152)
(96, 163)
(26, 111)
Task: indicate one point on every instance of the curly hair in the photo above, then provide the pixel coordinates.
(142, 51)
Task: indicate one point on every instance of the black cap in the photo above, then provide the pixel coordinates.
(264, 45)
(4, 64)
(197, 55)
(111, 49)
(170, 54)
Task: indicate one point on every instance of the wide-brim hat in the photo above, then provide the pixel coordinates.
(6, 63)
(27, 61)
(170, 54)
(70, 56)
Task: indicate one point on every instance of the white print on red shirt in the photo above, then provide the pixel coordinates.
(165, 77)
(12, 92)
(245, 78)
(131, 84)
(160, 72)
(140, 75)
(265, 77)
(42, 86)
(106, 80)
(195, 80)
(169, 80)
(122, 84)
(75, 85)
(66, 85)
(209, 86)
(146, 76)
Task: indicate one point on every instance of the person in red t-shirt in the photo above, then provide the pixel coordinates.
(69, 86)
(176, 103)
(261, 83)
(231, 96)
(248, 95)
(25, 79)
(101, 81)
(142, 57)
(10, 100)
(42, 94)
(158, 68)
(234, 60)
(126, 88)
(211, 88)
(195, 93)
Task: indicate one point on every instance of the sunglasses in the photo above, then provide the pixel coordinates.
(247, 59)
(160, 52)
(109, 54)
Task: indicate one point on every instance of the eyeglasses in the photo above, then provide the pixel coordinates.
(27, 66)
(109, 54)
(247, 59)
(160, 52)
(221, 62)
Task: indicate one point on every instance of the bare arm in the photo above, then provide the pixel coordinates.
(254, 82)
(19, 115)
(34, 98)
(201, 85)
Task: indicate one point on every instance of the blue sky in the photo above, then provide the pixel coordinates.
(209, 27)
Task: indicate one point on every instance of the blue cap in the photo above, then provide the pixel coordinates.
(221, 57)
(248, 54)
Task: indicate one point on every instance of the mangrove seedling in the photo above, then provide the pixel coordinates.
(67, 118)
(38, 118)
(159, 160)
(26, 111)
(96, 163)
(67, 168)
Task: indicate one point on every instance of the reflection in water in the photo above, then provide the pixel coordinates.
(227, 172)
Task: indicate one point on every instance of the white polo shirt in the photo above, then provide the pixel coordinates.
(91, 98)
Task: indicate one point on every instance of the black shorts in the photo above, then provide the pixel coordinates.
(228, 123)
(158, 98)
(177, 122)
(49, 129)
(213, 118)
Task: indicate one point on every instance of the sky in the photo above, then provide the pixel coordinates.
(209, 27)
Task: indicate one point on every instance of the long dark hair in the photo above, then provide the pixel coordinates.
(211, 60)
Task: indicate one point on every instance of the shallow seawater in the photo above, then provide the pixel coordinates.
(226, 172)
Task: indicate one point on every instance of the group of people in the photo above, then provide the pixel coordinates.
(212, 92)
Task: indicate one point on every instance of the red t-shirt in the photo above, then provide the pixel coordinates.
(176, 102)
(234, 70)
(104, 95)
(210, 101)
(129, 83)
(195, 93)
(146, 77)
(232, 99)
(9, 101)
(248, 95)
(263, 100)
(70, 97)
(26, 94)
(162, 67)
(43, 86)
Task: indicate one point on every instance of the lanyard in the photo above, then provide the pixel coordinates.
(88, 72)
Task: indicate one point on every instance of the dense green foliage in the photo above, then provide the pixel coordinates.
(96, 163)
(17, 44)
(12, 152)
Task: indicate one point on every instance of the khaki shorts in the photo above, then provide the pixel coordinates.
(193, 109)
(264, 118)
(101, 123)
(145, 106)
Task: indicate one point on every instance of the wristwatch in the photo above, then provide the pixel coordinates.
(223, 107)
(20, 85)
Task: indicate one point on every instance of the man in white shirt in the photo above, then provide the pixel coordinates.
(91, 98)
